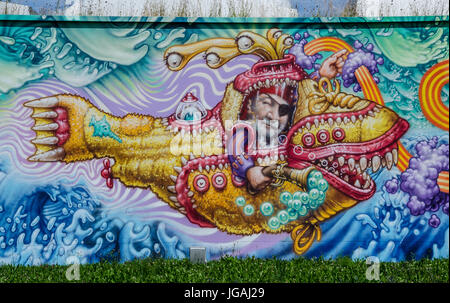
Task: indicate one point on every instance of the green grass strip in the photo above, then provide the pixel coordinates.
(230, 269)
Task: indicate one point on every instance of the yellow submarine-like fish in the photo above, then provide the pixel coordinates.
(185, 164)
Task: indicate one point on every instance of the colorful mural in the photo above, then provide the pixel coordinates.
(124, 138)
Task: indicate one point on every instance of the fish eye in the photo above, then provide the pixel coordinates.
(212, 59)
(288, 41)
(245, 42)
(174, 60)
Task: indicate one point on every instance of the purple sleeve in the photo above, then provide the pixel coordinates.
(240, 161)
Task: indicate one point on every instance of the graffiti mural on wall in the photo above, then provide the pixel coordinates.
(127, 138)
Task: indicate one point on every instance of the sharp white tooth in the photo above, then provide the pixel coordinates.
(56, 154)
(260, 84)
(207, 168)
(194, 205)
(172, 189)
(361, 117)
(322, 121)
(45, 127)
(191, 156)
(213, 167)
(190, 194)
(194, 132)
(220, 166)
(169, 128)
(330, 158)
(173, 198)
(365, 175)
(308, 125)
(255, 86)
(165, 123)
(351, 164)
(177, 169)
(357, 184)
(346, 120)
(182, 132)
(330, 122)
(246, 92)
(395, 156)
(338, 120)
(341, 161)
(46, 141)
(346, 178)
(183, 160)
(182, 210)
(200, 131)
(389, 160)
(267, 159)
(282, 158)
(363, 163)
(353, 118)
(275, 158)
(267, 83)
(48, 115)
(174, 178)
(164, 120)
(250, 89)
(200, 168)
(43, 102)
(336, 173)
(376, 162)
(226, 165)
(371, 113)
(383, 162)
(358, 169)
(260, 161)
(366, 185)
(174, 129)
(376, 109)
(316, 122)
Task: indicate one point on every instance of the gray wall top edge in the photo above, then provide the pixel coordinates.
(287, 20)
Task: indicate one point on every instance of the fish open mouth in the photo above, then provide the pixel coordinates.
(345, 165)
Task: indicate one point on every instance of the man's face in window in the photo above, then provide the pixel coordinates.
(271, 112)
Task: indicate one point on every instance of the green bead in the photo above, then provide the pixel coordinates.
(296, 204)
(322, 185)
(273, 223)
(304, 198)
(313, 194)
(285, 197)
(321, 198)
(283, 216)
(303, 210)
(315, 174)
(289, 205)
(293, 215)
(240, 201)
(266, 209)
(296, 195)
(312, 183)
(249, 210)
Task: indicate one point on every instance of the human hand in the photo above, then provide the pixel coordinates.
(257, 179)
(333, 65)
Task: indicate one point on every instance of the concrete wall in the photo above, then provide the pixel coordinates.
(226, 8)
